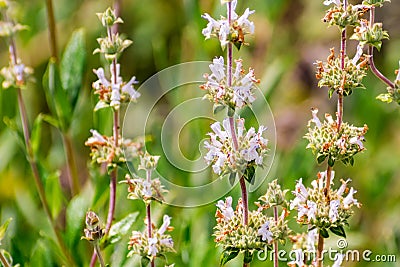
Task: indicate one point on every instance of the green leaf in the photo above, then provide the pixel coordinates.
(248, 257)
(330, 92)
(54, 193)
(144, 262)
(218, 108)
(339, 231)
(72, 66)
(227, 255)
(324, 233)
(352, 161)
(249, 174)
(36, 134)
(232, 178)
(3, 229)
(121, 228)
(56, 96)
(231, 112)
(41, 255)
(238, 45)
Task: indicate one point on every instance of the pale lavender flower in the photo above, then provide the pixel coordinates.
(358, 55)
(152, 247)
(338, 260)
(226, 208)
(312, 237)
(299, 258)
(315, 118)
(265, 233)
(329, 2)
(165, 225)
(350, 200)
(333, 210)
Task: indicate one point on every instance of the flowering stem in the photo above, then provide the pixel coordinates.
(245, 201)
(52, 29)
(148, 215)
(374, 69)
(98, 253)
(3, 260)
(276, 261)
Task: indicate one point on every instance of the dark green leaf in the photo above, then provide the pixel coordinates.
(56, 96)
(231, 112)
(321, 159)
(238, 45)
(248, 257)
(218, 108)
(41, 255)
(54, 193)
(249, 174)
(121, 228)
(339, 231)
(232, 178)
(144, 261)
(331, 162)
(227, 255)
(351, 161)
(330, 92)
(73, 65)
(324, 233)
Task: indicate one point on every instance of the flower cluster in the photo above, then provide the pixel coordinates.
(150, 247)
(114, 92)
(104, 150)
(331, 74)
(368, 35)
(274, 196)
(238, 94)
(325, 210)
(340, 16)
(252, 147)
(229, 31)
(16, 75)
(328, 142)
(393, 94)
(139, 188)
(235, 237)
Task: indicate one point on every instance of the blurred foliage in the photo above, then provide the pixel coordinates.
(289, 38)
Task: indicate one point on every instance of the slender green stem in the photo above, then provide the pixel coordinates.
(52, 29)
(72, 170)
(3, 259)
(148, 216)
(98, 253)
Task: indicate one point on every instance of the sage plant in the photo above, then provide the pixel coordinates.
(234, 151)
(112, 151)
(324, 207)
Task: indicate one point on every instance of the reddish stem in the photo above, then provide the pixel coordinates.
(276, 260)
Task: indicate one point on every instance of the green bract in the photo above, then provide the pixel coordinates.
(340, 17)
(370, 35)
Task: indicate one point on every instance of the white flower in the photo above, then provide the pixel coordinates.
(168, 242)
(358, 54)
(315, 118)
(338, 260)
(299, 258)
(311, 239)
(152, 247)
(333, 210)
(212, 23)
(398, 74)
(96, 138)
(221, 151)
(301, 194)
(265, 233)
(349, 200)
(358, 141)
(335, 2)
(226, 208)
(165, 225)
(343, 187)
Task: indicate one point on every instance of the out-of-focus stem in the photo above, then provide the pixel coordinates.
(276, 260)
(374, 69)
(52, 29)
(98, 253)
(245, 201)
(3, 260)
(72, 170)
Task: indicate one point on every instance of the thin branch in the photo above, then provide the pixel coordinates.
(374, 69)
(72, 170)
(3, 260)
(98, 253)
(276, 260)
(52, 29)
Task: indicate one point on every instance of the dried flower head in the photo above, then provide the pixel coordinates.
(341, 17)
(16, 75)
(274, 196)
(367, 35)
(343, 81)
(93, 231)
(145, 190)
(328, 142)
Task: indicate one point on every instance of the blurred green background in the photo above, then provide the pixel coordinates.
(289, 38)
